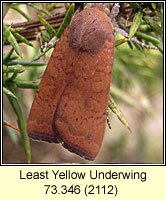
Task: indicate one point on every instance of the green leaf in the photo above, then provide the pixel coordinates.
(147, 37)
(21, 125)
(27, 84)
(87, 5)
(6, 33)
(153, 24)
(39, 8)
(130, 45)
(138, 47)
(21, 38)
(51, 6)
(13, 69)
(10, 79)
(66, 20)
(115, 109)
(48, 27)
(153, 6)
(136, 23)
(119, 42)
(12, 40)
(135, 6)
(45, 37)
(17, 30)
(8, 93)
(160, 14)
(14, 7)
(26, 63)
(7, 56)
(145, 28)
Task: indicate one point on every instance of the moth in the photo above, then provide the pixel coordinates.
(70, 106)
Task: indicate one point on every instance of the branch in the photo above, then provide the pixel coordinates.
(33, 27)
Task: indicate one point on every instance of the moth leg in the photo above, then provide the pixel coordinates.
(108, 121)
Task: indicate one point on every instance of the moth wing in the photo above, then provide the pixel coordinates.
(80, 117)
(48, 95)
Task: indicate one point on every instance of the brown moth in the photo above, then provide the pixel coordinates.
(71, 102)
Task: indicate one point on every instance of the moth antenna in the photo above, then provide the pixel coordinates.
(108, 121)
